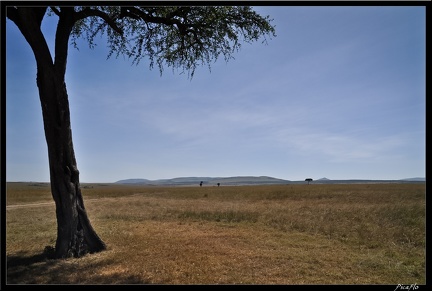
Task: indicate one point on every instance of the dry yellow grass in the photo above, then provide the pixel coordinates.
(288, 234)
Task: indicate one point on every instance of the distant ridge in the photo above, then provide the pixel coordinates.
(252, 180)
(417, 179)
(239, 180)
(133, 181)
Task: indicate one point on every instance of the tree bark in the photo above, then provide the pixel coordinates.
(75, 234)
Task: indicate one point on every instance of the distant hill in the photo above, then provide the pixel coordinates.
(248, 180)
(363, 181)
(133, 181)
(252, 180)
(418, 179)
(240, 180)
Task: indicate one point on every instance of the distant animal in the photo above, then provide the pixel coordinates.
(201, 183)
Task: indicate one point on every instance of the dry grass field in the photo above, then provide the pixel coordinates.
(281, 234)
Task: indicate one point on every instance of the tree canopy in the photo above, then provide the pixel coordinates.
(179, 37)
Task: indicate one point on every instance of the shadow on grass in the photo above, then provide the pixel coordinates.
(38, 269)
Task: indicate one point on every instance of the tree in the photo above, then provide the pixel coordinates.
(178, 37)
(308, 180)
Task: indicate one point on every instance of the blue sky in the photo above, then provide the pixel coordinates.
(339, 93)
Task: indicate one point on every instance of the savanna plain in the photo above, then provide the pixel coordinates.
(273, 234)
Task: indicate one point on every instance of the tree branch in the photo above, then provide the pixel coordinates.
(64, 28)
(28, 22)
(12, 13)
(153, 19)
(55, 10)
(38, 12)
(87, 12)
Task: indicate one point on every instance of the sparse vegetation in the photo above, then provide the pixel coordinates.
(280, 234)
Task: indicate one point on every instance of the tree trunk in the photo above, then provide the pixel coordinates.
(75, 235)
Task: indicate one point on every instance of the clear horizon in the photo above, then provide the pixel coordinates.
(338, 93)
(219, 177)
